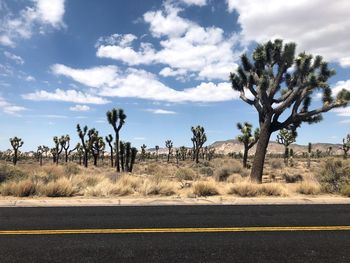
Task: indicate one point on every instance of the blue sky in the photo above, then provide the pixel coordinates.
(166, 63)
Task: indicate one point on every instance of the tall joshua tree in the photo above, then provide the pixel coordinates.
(286, 137)
(109, 140)
(157, 150)
(198, 139)
(81, 134)
(346, 146)
(16, 143)
(281, 85)
(247, 138)
(169, 145)
(116, 117)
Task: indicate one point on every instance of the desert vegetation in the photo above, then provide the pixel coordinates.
(121, 170)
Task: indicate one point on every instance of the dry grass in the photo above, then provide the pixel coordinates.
(21, 189)
(205, 189)
(62, 187)
(251, 189)
(308, 188)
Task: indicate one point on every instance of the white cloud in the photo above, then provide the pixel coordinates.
(14, 57)
(161, 111)
(10, 108)
(36, 17)
(195, 2)
(64, 95)
(30, 78)
(187, 49)
(80, 108)
(317, 26)
(110, 81)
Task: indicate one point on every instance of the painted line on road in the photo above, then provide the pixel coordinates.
(173, 230)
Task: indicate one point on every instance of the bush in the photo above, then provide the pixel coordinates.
(185, 174)
(308, 188)
(272, 189)
(21, 189)
(10, 173)
(223, 173)
(59, 188)
(292, 178)
(333, 175)
(245, 189)
(151, 187)
(205, 189)
(206, 171)
(277, 164)
(345, 190)
(71, 169)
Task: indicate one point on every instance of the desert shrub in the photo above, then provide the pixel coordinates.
(71, 169)
(224, 172)
(271, 189)
(206, 171)
(276, 164)
(292, 178)
(59, 188)
(245, 189)
(234, 178)
(205, 189)
(333, 175)
(345, 190)
(10, 173)
(151, 187)
(21, 189)
(308, 188)
(185, 174)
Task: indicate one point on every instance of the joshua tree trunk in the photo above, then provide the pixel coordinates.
(245, 156)
(260, 153)
(41, 159)
(66, 154)
(15, 158)
(117, 151)
(286, 155)
(197, 155)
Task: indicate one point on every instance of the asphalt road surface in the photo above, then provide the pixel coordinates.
(289, 233)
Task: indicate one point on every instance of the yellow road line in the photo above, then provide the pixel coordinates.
(173, 230)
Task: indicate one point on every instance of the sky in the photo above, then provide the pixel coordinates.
(166, 63)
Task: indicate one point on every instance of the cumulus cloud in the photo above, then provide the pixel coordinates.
(80, 108)
(36, 17)
(161, 111)
(317, 26)
(14, 57)
(186, 48)
(137, 83)
(10, 108)
(344, 112)
(65, 96)
(195, 2)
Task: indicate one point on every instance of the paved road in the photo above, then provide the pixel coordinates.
(198, 246)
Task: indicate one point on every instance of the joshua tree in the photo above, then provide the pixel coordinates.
(96, 144)
(143, 152)
(59, 144)
(198, 139)
(282, 85)
(346, 146)
(16, 143)
(80, 152)
(82, 133)
(157, 150)
(286, 137)
(128, 156)
(169, 145)
(40, 153)
(211, 153)
(309, 150)
(116, 117)
(109, 140)
(65, 146)
(183, 152)
(247, 138)
(177, 155)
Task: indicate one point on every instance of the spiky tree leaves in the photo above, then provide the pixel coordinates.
(346, 146)
(248, 138)
(286, 137)
(82, 133)
(116, 117)
(16, 143)
(109, 140)
(198, 139)
(169, 145)
(280, 82)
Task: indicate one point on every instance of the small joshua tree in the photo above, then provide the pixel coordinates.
(109, 140)
(96, 144)
(198, 139)
(282, 85)
(247, 138)
(286, 137)
(346, 146)
(128, 156)
(65, 146)
(183, 153)
(116, 118)
(81, 134)
(40, 152)
(157, 150)
(143, 152)
(169, 145)
(309, 151)
(16, 143)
